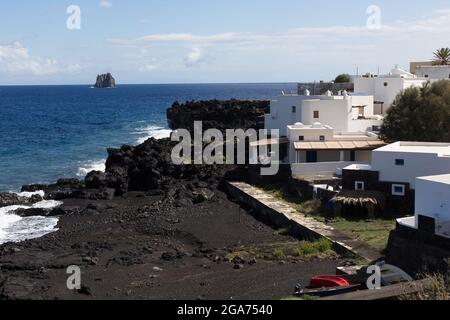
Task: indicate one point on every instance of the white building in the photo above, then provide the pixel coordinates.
(395, 167)
(385, 88)
(403, 162)
(432, 201)
(318, 148)
(345, 113)
(433, 72)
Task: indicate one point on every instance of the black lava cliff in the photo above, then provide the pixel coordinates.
(215, 114)
(148, 167)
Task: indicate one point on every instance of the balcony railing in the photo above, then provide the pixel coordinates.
(299, 169)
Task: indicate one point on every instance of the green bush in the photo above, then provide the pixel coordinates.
(278, 253)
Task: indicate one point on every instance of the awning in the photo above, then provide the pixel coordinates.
(268, 142)
(340, 145)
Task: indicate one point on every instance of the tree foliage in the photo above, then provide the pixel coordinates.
(442, 57)
(343, 78)
(420, 114)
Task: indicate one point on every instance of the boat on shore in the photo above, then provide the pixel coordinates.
(329, 285)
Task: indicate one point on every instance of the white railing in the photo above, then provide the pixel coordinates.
(299, 169)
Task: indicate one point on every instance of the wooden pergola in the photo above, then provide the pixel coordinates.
(368, 199)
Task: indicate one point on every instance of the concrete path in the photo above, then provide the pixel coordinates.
(280, 211)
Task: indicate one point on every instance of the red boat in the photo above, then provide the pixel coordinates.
(323, 286)
(328, 282)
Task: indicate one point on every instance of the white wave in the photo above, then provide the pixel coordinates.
(6, 219)
(30, 194)
(29, 228)
(47, 204)
(14, 228)
(92, 165)
(152, 132)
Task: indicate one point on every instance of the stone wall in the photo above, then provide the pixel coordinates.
(418, 252)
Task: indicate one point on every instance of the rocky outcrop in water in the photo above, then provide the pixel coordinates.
(105, 81)
(12, 199)
(222, 115)
(71, 189)
(59, 185)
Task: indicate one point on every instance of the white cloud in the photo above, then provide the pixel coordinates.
(436, 24)
(296, 54)
(16, 59)
(148, 68)
(193, 57)
(105, 4)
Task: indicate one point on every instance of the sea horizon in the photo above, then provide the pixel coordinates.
(156, 84)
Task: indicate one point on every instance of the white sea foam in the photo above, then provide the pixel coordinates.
(92, 165)
(29, 228)
(30, 194)
(6, 219)
(152, 132)
(14, 228)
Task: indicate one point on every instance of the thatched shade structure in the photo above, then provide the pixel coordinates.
(360, 198)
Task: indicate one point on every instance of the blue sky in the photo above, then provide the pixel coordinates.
(178, 41)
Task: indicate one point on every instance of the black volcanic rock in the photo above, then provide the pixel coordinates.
(95, 180)
(12, 199)
(216, 114)
(32, 212)
(62, 189)
(105, 81)
(149, 167)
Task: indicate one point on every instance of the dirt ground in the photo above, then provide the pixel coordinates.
(135, 247)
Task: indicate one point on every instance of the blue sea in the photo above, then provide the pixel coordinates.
(50, 132)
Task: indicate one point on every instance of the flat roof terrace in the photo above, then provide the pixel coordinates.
(442, 149)
(444, 178)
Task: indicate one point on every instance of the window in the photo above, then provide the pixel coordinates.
(301, 138)
(359, 186)
(426, 76)
(353, 156)
(386, 84)
(398, 190)
(294, 109)
(316, 115)
(322, 138)
(400, 162)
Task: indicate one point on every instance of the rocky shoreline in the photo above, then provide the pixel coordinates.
(148, 229)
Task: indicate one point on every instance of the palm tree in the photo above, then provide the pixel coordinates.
(442, 57)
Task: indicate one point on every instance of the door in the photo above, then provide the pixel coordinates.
(311, 156)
